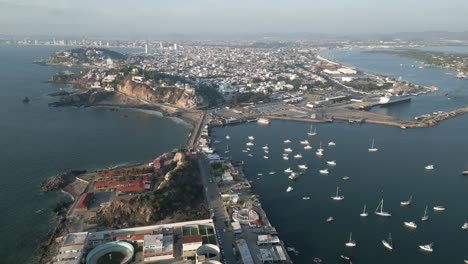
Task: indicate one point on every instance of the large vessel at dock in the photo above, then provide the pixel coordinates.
(393, 99)
(264, 121)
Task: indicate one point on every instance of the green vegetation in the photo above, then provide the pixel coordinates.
(249, 97)
(210, 94)
(456, 61)
(368, 86)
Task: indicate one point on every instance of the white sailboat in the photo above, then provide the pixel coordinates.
(293, 176)
(439, 208)
(289, 189)
(303, 167)
(287, 141)
(251, 138)
(288, 150)
(265, 147)
(429, 167)
(351, 242)
(285, 157)
(288, 170)
(372, 148)
(305, 142)
(228, 137)
(320, 148)
(331, 163)
(388, 243)
(324, 171)
(465, 226)
(331, 144)
(319, 153)
(364, 213)
(427, 247)
(265, 157)
(312, 133)
(408, 202)
(381, 212)
(425, 217)
(337, 197)
(411, 224)
(307, 147)
(227, 149)
(298, 156)
(249, 144)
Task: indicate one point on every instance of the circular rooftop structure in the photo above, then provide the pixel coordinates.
(210, 251)
(111, 252)
(245, 216)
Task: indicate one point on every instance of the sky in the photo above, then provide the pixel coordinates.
(153, 17)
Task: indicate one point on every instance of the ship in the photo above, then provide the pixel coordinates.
(263, 121)
(393, 99)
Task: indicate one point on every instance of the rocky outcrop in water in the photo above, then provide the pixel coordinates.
(60, 180)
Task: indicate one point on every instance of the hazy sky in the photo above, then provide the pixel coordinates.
(152, 17)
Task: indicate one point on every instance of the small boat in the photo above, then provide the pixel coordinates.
(411, 224)
(324, 171)
(259, 174)
(427, 247)
(289, 189)
(306, 198)
(331, 144)
(285, 157)
(293, 176)
(303, 167)
(312, 133)
(372, 148)
(381, 212)
(408, 202)
(330, 219)
(250, 155)
(331, 163)
(425, 217)
(364, 213)
(251, 138)
(465, 172)
(272, 172)
(465, 226)
(351, 242)
(319, 153)
(344, 257)
(388, 243)
(288, 150)
(320, 148)
(317, 260)
(466, 261)
(305, 142)
(249, 144)
(227, 149)
(245, 151)
(265, 157)
(228, 137)
(345, 178)
(216, 142)
(298, 156)
(429, 167)
(265, 147)
(337, 197)
(247, 148)
(287, 141)
(307, 147)
(26, 100)
(288, 170)
(266, 151)
(439, 208)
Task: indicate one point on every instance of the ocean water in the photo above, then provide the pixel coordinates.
(452, 94)
(37, 142)
(393, 173)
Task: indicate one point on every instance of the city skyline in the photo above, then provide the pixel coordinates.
(221, 17)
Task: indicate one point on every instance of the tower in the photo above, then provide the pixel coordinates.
(146, 48)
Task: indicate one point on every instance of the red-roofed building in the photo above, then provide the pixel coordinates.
(191, 243)
(84, 201)
(140, 185)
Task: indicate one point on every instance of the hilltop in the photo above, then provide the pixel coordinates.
(86, 56)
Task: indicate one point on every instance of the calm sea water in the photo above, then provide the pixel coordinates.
(452, 94)
(37, 142)
(394, 173)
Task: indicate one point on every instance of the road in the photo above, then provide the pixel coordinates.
(221, 218)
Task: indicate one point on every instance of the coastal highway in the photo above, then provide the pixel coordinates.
(220, 216)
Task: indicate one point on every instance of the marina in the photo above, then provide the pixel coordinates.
(351, 212)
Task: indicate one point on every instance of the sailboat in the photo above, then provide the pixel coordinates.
(425, 216)
(298, 156)
(287, 141)
(331, 163)
(351, 242)
(465, 226)
(251, 138)
(337, 197)
(381, 212)
(372, 148)
(305, 142)
(265, 147)
(324, 171)
(303, 167)
(364, 213)
(388, 243)
(406, 203)
(227, 149)
(427, 247)
(228, 137)
(411, 224)
(320, 149)
(312, 133)
(307, 147)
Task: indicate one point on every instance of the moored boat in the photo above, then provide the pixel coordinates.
(351, 242)
(331, 163)
(410, 224)
(465, 226)
(364, 213)
(330, 219)
(373, 148)
(408, 202)
(381, 212)
(307, 147)
(324, 171)
(429, 167)
(289, 189)
(427, 247)
(388, 243)
(337, 197)
(439, 208)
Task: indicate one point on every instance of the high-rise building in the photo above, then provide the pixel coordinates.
(161, 45)
(146, 48)
(175, 46)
